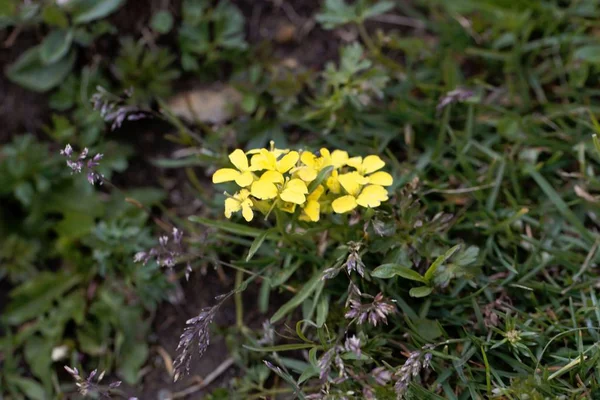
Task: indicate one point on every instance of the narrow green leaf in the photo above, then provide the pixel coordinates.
(257, 243)
(308, 288)
(439, 261)
(567, 367)
(386, 271)
(322, 310)
(322, 175)
(243, 230)
(559, 203)
(282, 347)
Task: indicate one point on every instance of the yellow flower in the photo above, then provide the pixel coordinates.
(367, 168)
(266, 188)
(239, 201)
(268, 160)
(313, 164)
(242, 175)
(294, 191)
(358, 194)
(312, 209)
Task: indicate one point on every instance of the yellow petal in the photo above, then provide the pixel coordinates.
(344, 204)
(231, 206)
(247, 212)
(308, 158)
(257, 162)
(312, 210)
(372, 196)
(333, 184)
(238, 158)
(351, 182)
(314, 196)
(307, 174)
(339, 158)
(244, 179)
(292, 196)
(355, 162)
(297, 185)
(288, 161)
(264, 190)
(225, 175)
(381, 178)
(272, 176)
(372, 164)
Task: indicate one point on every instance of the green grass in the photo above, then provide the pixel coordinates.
(488, 246)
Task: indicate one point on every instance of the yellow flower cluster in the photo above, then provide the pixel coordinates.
(281, 178)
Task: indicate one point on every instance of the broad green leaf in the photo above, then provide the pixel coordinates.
(439, 261)
(131, 361)
(54, 15)
(35, 297)
(308, 288)
(467, 256)
(589, 54)
(420, 291)
(386, 271)
(428, 329)
(30, 72)
(38, 353)
(32, 389)
(162, 21)
(56, 45)
(377, 9)
(84, 11)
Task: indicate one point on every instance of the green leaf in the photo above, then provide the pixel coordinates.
(377, 9)
(30, 72)
(131, 361)
(321, 176)
(258, 242)
(467, 256)
(54, 15)
(38, 352)
(428, 329)
(35, 297)
(56, 45)
(439, 261)
(386, 271)
(322, 310)
(420, 291)
(308, 288)
(84, 11)
(590, 54)
(232, 227)
(559, 203)
(162, 21)
(32, 389)
(281, 347)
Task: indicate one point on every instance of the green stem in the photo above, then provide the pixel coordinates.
(239, 306)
